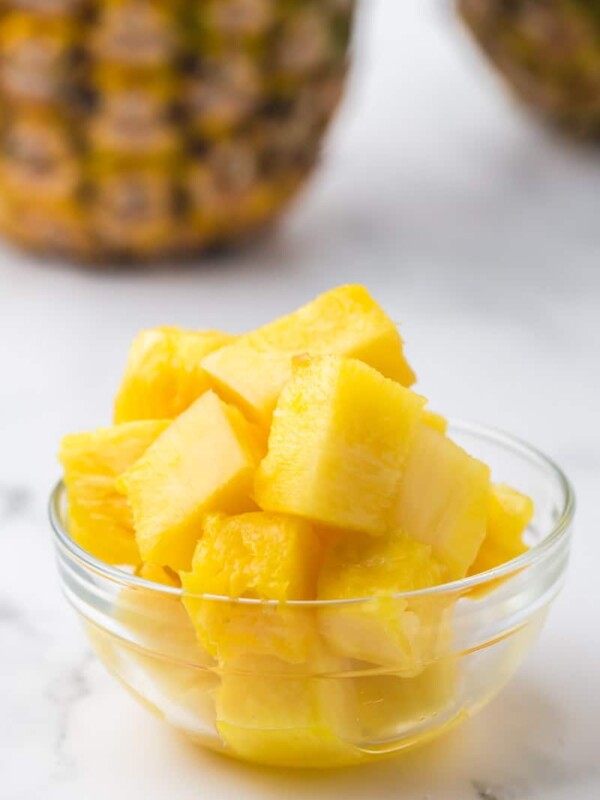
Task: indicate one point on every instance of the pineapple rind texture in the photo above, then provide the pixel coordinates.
(548, 53)
(153, 129)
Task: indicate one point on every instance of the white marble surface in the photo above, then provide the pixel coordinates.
(480, 233)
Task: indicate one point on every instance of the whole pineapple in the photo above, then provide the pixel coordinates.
(134, 129)
(548, 51)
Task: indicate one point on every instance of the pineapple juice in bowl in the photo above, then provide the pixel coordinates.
(319, 571)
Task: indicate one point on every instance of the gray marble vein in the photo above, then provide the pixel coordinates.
(12, 616)
(15, 501)
(65, 692)
(485, 791)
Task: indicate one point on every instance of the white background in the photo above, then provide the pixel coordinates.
(480, 233)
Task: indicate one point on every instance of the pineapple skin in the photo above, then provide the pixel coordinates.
(141, 129)
(548, 52)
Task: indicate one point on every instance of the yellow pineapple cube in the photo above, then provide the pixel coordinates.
(100, 520)
(435, 421)
(272, 713)
(338, 444)
(443, 500)
(157, 622)
(383, 629)
(156, 574)
(252, 371)
(204, 461)
(260, 556)
(390, 705)
(163, 376)
(509, 514)
(159, 656)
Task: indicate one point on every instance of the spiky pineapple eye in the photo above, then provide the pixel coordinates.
(36, 156)
(304, 45)
(29, 68)
(49, 7)
(136, 33)
(240, 17)
(222, 92)
(235, 167)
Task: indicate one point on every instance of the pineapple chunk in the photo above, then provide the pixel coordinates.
(393, 631)
(204, 461)
(261, 556)
(158, 623)
(256, 555)
(272, 713)
(99, 518)
(160, 658)
(163, 376)
(252, 371)
(156, 574)
(339, 441)
(510, 512)
(389, 705)
(435, 421)
(443, 500)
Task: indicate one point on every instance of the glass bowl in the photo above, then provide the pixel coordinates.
(284, 689)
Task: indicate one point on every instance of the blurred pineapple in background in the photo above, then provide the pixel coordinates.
(135, 129)
(548, 51)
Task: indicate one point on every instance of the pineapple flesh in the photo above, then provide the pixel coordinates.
(396, 632)
(273, 713)
(163, 376)
(252, 370)
(298, 511)
(509, 514)
(204, 461)
(100, 519)
(443, 500)
(150, 129)
(262, 557)
(340, 438)
(548, 52)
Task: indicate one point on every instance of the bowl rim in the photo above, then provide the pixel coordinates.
(560, 530)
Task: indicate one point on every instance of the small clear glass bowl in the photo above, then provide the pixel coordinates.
(285, 689)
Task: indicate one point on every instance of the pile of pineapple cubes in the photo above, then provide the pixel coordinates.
(291, 463)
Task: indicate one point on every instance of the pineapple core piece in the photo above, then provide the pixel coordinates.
(100, 520)
(204, 461)
(443, 500)
(163, 376)
(260, 556)
(276, 714)
(338, 445)
(510, 512)
(393, 631)
(252, 371)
